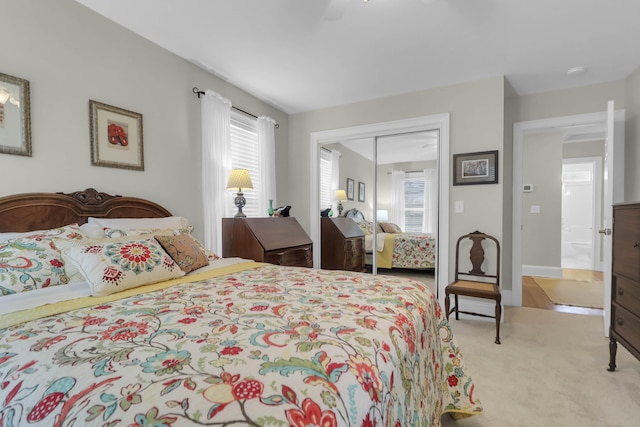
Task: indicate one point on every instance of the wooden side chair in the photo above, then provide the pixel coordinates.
(476, 283)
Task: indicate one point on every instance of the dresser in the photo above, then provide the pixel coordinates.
(625, 281)
(342, 244)
(278, 240)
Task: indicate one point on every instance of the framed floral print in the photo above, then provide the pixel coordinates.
(360, 191)
(350, 188)
(116, 137)
(15, 116)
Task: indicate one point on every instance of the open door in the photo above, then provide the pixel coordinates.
(613, 173)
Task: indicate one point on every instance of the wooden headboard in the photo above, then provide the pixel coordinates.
(41, 211)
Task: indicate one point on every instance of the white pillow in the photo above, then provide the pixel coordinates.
(92, 230)
(136, 223)
(115, 266)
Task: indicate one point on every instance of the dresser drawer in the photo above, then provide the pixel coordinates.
(300, 256)
(626, 325)
(626, 293)
(626, 243)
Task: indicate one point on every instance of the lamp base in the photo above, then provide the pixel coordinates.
(339, 208)
(240, 201)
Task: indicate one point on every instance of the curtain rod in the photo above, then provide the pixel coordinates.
(199, 92)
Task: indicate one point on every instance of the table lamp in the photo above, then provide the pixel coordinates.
(239, 179)
(340, 196)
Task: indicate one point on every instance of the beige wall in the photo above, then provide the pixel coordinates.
(476, 124)
(70, 55)
(542, 168)
(632, 137)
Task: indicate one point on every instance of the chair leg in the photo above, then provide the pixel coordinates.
(456, 307)
(498, 315)
(447, 304)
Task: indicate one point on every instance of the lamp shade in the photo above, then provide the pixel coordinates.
(340, 195)
(239, 179)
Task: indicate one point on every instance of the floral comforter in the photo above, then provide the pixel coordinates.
(414, 250)
(266, 346)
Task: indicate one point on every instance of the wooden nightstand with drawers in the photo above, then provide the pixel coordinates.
(277, 240)
(342, 243)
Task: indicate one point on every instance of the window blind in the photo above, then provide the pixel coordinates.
(325, 180)
(413, 204)
(245, 153)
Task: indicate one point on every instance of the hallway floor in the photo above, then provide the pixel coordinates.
(533, 296)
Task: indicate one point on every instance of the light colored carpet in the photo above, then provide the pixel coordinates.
(572, 292)
(550, 370)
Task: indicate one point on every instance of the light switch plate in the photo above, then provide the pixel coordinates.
(459, 206)
(535, 208)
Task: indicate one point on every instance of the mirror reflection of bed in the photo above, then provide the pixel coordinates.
(398, 253)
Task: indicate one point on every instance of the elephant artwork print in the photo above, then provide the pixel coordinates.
(475, 168)
(116, 137)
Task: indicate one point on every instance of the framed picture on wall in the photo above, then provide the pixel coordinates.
(360, 191)
(116, 137)
(475, 168)
(350, 188)
(15, 116)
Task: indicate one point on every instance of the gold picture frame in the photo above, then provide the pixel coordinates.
(15, 116)
(116, 137)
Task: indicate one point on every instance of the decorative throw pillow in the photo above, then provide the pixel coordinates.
(115, 266)
(389, 227)
(34, 262)
(365, 226)
(185, 251)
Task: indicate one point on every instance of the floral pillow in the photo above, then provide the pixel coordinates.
(118, 233)
(389, 227)
(115, 266)
(185, 251)
(34, 262)
(365, 226)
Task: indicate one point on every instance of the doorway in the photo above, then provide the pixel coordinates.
(581, 201)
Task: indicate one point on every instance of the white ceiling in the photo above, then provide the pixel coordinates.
(304, 55)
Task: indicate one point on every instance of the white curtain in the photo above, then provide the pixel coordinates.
(216, 167)
(429, 219)
(335, 177)
(397, 198)
(267, 149)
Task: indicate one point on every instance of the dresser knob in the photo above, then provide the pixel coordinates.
(636, 245)
(619, 321)
(620, 291)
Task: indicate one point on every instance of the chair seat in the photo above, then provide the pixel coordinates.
(467, 287)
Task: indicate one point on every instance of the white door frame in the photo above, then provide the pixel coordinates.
(520, 129)
(438, 122)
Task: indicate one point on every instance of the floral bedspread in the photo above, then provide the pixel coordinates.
(270, 346)
(414, 250)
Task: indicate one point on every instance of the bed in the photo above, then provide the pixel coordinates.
(233, 342)
(394, 248)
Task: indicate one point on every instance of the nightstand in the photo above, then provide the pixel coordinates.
(342, 244)
(280, 241)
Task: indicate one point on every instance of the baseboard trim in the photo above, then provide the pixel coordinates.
(542, 271)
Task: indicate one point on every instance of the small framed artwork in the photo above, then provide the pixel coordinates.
(116, 137)
(360, 191)
(350, 188)
(475, 168)
(15, 116)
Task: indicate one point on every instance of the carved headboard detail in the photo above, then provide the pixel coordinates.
(39, 211)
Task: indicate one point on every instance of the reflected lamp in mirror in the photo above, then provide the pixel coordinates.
(382, 215)
(340, 196)
(239, 180)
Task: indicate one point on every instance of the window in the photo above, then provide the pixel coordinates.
(414, 204)
(245, 154)
(325, 179)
